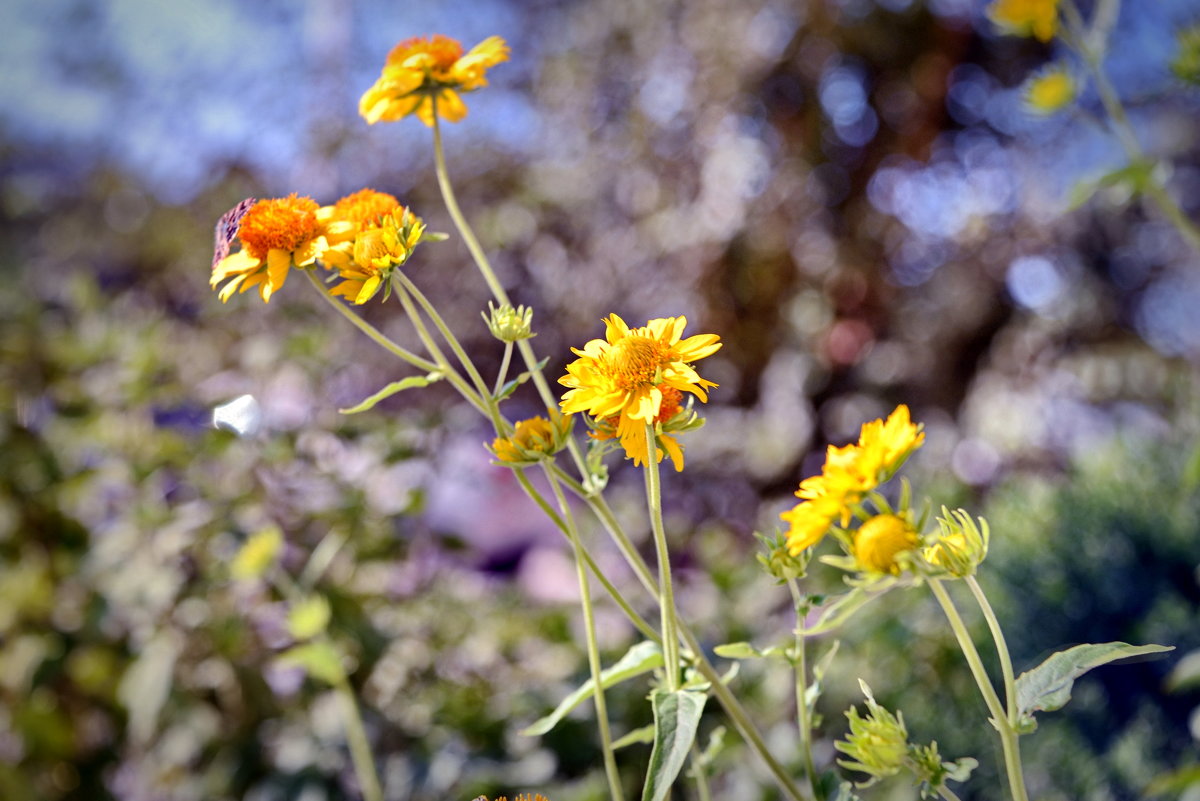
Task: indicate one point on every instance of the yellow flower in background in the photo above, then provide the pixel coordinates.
(275, 236)
(377, 249)
(257, 554)
(421, 70)
(532, 440)
(1026, 17)
(849, 473)
(624, 380)
(1049, 91)
(880, 540)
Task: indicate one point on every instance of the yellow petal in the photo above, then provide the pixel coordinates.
(369, 287)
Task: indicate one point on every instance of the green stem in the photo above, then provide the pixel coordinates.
(667, 599)
(802, 713)
(1093, 55)
(645, 628)
(946, 793)
(593, 649)
(447, 335)
(371, 331)
(502, 373)
(356, 738)
(1008, 735)
(698, 773)
(1006, 668)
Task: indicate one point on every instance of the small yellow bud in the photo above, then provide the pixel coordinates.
(257, 554)
(533, 440)
(961, 544)
(508, 324)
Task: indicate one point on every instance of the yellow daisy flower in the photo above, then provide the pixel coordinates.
(1049, 91)
(421, 70)
(849, 473)
(378, 248)
(1026, 17)
(624, 379)
(275, 235)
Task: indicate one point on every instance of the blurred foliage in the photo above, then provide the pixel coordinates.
(838, 188)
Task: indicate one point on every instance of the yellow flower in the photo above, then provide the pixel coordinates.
(849, 473)
(377, 249)
(532, 440)
(275, 235)
(880, 540)
(632, 434)
(420, 72)
(258, 553)
(1050, 91)
(1026, 17)
(623, 380)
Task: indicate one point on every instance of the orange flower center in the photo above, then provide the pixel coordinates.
(365, 207)
(672, 404)
(280, 224)
(635, 360)
(880, 539)
(442, 50)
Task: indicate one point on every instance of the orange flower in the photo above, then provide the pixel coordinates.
(422, 74)
(275, 236)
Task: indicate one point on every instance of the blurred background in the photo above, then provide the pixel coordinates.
(849, 192)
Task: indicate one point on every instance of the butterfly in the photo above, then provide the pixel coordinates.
(227, 229)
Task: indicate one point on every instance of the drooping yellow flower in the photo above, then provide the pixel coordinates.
(533, 440)
(377, 249)
(1049, 91)
(275, 236)
(849, 473)
(421, 71)
(1026, 17)
(623, 379)
(880, 540)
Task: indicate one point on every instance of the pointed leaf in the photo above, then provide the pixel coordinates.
(511, 386)
(636, 737)
(641, 658)
(391, 389)
(1048, 686)
(676, 716)
(737, 650)
(842, 609)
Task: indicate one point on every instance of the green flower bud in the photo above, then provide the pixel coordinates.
(960, 543)
(878, 743)
(508, 324)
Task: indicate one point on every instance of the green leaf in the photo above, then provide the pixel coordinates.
(641, 658)
(1134, 176)
(737, 650)
(636, 737)
(1048, 686)
(308, 618)
(512, 385)
(842, 609)
(676, 716)
(146, 685)
(391, 389)
(318, 659)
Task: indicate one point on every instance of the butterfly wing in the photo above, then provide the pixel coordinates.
(227, 229)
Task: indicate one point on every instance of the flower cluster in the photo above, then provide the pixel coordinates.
(426, 76)
(363, 238)
(635, 378)
(849, 474)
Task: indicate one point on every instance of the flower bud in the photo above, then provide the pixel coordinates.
(533, 440)
(878, 743)
(961, 544)
(508, 324)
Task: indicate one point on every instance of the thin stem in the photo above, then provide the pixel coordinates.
(1006, 668)
(802, 713)
(356, 738)
(503, 372)
(1093, 54)
(483, 400)
(371, 331)
(1008, 735)
(645, 628)
(946, 793)
(698, 773)
(446, 333)
(667, 599)
(593, 649)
